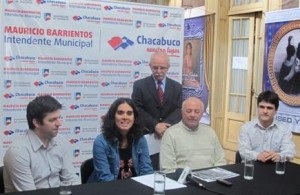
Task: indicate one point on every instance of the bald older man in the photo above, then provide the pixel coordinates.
(158, 112)
(189, 143)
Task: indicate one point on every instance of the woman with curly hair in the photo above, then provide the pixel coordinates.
(121, 151)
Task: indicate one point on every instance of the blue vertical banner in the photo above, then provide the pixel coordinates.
(282, 64)
(193, 69)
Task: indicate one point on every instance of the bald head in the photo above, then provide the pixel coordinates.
(159, 64)
(192, 111)
(159, 55)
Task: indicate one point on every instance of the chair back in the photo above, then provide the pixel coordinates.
(86, 169)
(155, 161)
(1, 180)
(238, 158)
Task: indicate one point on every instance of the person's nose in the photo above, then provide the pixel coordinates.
(59, 122)
(159, 70)
(265, 110)
(193, 114)
(125, 116)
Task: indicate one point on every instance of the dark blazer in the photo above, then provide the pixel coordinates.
(146, 98)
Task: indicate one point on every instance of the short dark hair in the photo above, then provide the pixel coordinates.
(109, 128)
(269, 97)
(39, 107)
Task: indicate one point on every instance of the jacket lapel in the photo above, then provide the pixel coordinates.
(152, 88)
(168, 90)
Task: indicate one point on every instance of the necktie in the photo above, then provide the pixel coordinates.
(160, 92)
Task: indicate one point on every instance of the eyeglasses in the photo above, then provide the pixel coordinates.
(159, 67)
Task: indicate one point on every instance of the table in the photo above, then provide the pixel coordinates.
(265, 182)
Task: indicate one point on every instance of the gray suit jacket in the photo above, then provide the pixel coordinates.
(151, 112)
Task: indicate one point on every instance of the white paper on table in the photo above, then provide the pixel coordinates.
(148, 180)
(153, 143)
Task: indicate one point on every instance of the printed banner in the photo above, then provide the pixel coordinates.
(85, 54)
(282, 64)
(193, 77)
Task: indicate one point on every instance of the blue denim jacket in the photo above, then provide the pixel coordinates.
(107, 160)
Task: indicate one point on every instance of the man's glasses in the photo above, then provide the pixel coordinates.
(159, 67)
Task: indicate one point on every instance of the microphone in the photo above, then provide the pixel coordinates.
(184, 173)
(186, 176)
(193, 180)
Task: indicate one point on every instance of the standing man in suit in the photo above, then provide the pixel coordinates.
(158, 97)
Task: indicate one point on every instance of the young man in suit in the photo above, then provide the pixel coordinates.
(158, 97)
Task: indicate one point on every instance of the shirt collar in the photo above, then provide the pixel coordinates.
(36, 142)
(188, 129)
(274, 124)
(163, 82)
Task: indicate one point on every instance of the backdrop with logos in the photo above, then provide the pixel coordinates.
(85, 54)
(282, 64)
